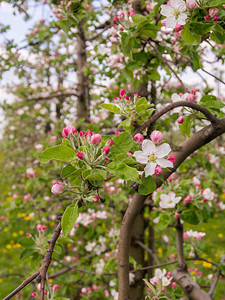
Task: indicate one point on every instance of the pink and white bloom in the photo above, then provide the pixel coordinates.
(153, 156)
(191, 4)
(96, 139)
(208, 194)
(169, 201)
(57, 188)
(174, 13)
(68, 130)
(178, 97)
(156, 136)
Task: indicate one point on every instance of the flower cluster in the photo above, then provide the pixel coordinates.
(193, 234)
(154, 156)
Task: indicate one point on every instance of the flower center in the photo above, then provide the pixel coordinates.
(176, 13)
(170, 201)
(151, 157)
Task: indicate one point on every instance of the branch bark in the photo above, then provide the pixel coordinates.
(198, 140)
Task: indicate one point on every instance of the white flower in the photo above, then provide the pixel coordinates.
(152, 156)
(174, 13)
(160, 274)
(175, 98)
(208, 194)
(166, 281)
(169, 201)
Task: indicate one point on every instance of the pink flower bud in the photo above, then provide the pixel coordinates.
(178, 27)
(138, 138)
(204, 200)
(122, 92)
(68, 130)
(156, 137)
(132, 12)
(177, 216)
(130, 154)
(136, 95)
(28, 235)
(180, 120)
(117, 132)
(215, 18)
(39, 227)
(163, 22)
(158, 170)
(86, 6)
(34, 295)
(80, 155)
(55, 287)
(60, 16)
(191, 97)
(191, 4)
(122, 15)
(213, 11)
(207, 16)
(106, 160)
(187, 199)
(42, 21)
(95, 198)
(174, 285)
(116, 19)
(127, 98)
(57, 188)
(88, 132)
(81, 133)
(96, 139)
(185, 235)
(109, 143)
(171, 158)
(44, 227)
(106, 150)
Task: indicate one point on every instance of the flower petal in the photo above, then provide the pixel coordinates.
(171, 22)
(175, 97)
(150, 169)
(166, 10)
(148, 147)
(181, 20)
(164, 163)
(141, 157)
(162, 150)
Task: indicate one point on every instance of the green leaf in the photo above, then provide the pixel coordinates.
(125, 124)
(67, 170)
(153, 75)
(141, 101)
(141, 108)
(75, 179)
(138, 18)
(60, 152)
(69, 218)
(152, 288)
(164, 221)
(65, 25)
(148, 185)
(185, 127)
(127, 159)
(202, 28)
(189, 36)
(111, 107)
(212, 3)
(94, 174)
(26, 252)
(190, 217)
(211, 101)
(121, 170)
(122, 143)
(27, 242)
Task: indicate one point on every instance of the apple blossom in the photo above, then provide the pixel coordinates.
(158, 170)
(156, 136)
(96, 139)
(174, 13)
(106, 150)
(191, 4)
(138, 138)
(57, 188)
(110, 142)
(169, 201)
(34, 295)
(152, 156)
(213, 11)
(55, 287)
(80, 155)
(68, 130)
(180, 120)
(88, 132)
(122, 92)
(208, 194)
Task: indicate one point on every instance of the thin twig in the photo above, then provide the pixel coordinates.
(142, 245)
(155, 266)
(23, 284)
(213, 286)
(168, 65)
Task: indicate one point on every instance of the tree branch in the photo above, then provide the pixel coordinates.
(213, 286)
(213, 119)
(180, 242)
(23, 284)
(142, 245)
(48, 257)
(189, 146)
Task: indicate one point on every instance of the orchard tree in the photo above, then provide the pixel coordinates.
(113, 152)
